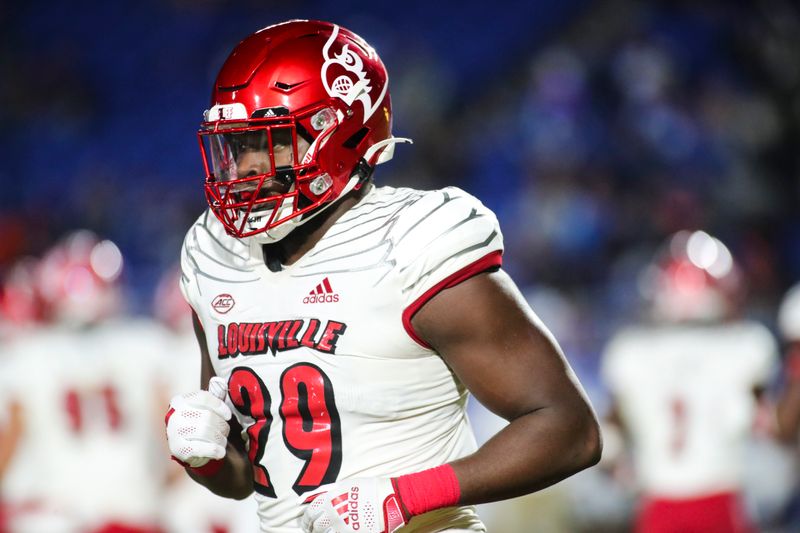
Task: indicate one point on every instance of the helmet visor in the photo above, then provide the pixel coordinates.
(261, 172)
(251, 170)
(258, 162)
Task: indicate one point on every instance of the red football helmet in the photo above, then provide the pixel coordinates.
(300, 115)
(693, 278)
(78, 279)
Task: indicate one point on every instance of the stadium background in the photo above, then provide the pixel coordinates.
(593, 129)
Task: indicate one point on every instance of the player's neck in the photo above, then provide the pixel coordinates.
(295, 245)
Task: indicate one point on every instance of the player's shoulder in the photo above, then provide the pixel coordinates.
(630, 339)
(621, 346)
(439, 236)
(443, 207)
(627, 352)
(33, 348)
(127, 342)
(206, 237)
(752, 336)
(209, 252)
(750, 349)
(138, 330)
(410, 205)
(450, 219)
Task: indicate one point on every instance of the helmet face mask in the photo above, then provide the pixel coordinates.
(263, 173)
(300, 114)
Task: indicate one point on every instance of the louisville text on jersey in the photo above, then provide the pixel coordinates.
(254, 338)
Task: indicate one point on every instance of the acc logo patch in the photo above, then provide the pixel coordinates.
(222, 303)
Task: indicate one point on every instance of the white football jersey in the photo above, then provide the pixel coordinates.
(324, 370)
(92, 448)
(685, 394)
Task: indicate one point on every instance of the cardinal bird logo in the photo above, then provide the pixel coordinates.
(344, 77)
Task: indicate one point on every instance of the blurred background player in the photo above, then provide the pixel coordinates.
(788, 405)
(20, 313)
(788, 419)
(188, 507)
(686, 388)
(85, 454)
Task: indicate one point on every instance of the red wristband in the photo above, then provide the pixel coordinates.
(428, 490)
(207, 470)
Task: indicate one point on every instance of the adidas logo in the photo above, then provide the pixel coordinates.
(344, 508)
(323, 293)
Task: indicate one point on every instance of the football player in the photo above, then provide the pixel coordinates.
(20, 316)
(342, 325)
(85, 389)
(686, 387)
(788, 419)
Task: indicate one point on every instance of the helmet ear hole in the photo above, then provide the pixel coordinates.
(354, 140)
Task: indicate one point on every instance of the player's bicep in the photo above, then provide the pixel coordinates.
(497, 346)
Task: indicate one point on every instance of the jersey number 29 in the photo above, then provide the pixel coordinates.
(311, 427)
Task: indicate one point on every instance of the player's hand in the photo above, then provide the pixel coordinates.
(366, 505)
(197, 425)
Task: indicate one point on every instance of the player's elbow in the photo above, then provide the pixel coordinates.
(586, 442)
(592, 443)
(241, 493)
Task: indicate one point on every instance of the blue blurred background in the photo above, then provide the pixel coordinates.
(593, 129)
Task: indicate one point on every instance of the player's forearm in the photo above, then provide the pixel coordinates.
(788, 414)
(533, 452)
(536, 450)
(10, 435)
(234, 479)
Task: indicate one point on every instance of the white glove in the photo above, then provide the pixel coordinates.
(197, 425)
(365, 505)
